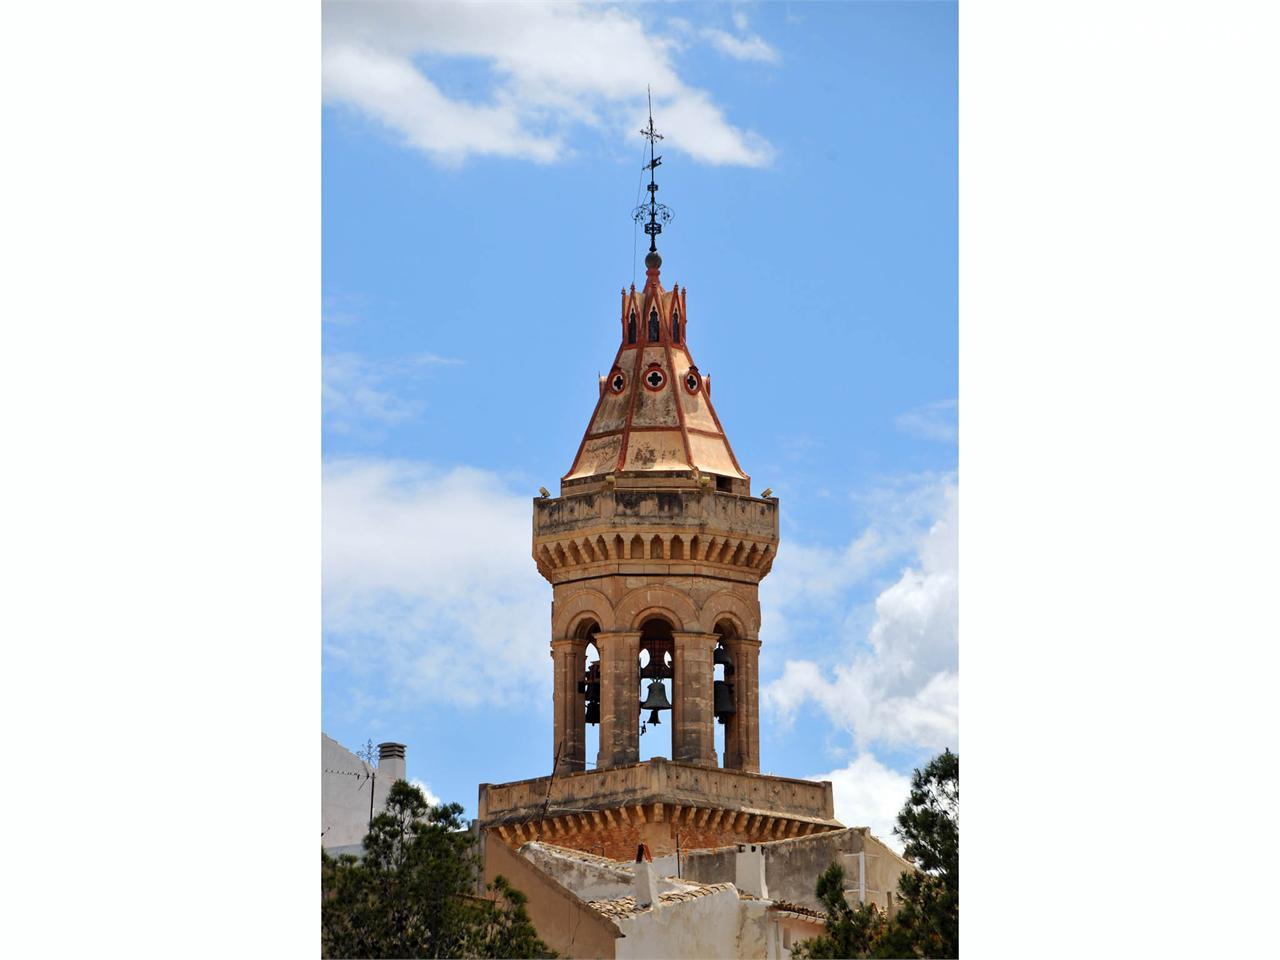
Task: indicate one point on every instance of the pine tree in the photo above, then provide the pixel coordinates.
(927, 923)
(410, 895)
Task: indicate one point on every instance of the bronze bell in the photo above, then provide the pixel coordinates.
(656, 699)
(722, 658)
(723, 700)
(593, 711)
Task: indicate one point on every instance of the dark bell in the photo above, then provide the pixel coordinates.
(656, 699)
(723, 699)
(722, 658)
(653, 718)
(589, 689)
(593, 712)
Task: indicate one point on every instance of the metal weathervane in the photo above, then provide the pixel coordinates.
(656, 213)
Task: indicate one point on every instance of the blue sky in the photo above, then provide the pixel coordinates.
(479, 168)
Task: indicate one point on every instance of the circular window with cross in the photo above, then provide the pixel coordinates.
(617, 381)
(692, 381)
(654, 378)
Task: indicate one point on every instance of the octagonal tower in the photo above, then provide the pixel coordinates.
(655, 547)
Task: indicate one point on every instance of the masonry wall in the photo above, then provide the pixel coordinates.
(708, 927)
(792, 867)
(563, 920)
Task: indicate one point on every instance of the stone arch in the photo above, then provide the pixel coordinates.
(657, 600)
(727, 605)
(567, 614)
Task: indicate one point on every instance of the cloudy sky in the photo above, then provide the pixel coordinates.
(480, 164)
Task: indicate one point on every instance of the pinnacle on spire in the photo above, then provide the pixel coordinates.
(657, 213)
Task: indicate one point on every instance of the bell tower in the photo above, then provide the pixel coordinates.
(655, 549)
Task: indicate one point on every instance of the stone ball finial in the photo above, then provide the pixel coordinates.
(653, 260)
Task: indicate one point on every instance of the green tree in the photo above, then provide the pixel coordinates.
(411, 894)
(929, 825)
(851, 931)
(927, 922)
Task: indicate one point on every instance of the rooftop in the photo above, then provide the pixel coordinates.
(623, 907)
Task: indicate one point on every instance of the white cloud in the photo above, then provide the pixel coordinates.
(356, 391)
(432, 799)
(428, 584)
(901, 687)
(869, 794)
(750, 47)
(552, 66)
(809, 587)
(933, 421)
(352, 391)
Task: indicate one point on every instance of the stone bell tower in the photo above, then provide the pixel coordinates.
(655, 549)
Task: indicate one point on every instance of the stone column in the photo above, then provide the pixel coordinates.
(619, 698)
(742, 732)
(570, 734)
(693, 740)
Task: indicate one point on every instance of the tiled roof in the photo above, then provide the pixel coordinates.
(789, 907)
(654, 410)
(624, 907)
(571, 854)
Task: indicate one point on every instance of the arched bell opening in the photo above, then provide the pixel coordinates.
(723, 694)
(657, 670)
(589, 694)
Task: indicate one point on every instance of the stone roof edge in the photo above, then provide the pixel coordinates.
(581, 855)
(573, 896)
(536, 812)
(655, 760)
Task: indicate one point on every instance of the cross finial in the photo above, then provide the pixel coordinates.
(657, 213)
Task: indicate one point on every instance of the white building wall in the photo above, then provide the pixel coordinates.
(709, 928)
(345, 786)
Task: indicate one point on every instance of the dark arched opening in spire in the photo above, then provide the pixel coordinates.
(631, 328)
(654, 328)
(675, 326)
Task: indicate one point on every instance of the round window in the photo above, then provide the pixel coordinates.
(654, 378)
(617, 382)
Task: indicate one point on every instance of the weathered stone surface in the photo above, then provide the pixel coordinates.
(654, 802)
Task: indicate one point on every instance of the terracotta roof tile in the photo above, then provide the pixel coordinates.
(623, 907)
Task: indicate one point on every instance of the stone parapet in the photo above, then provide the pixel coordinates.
(658, 531)
(661, 803)
(657, 780)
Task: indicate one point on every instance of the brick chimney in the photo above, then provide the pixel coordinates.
(748, 870)
(391, 762)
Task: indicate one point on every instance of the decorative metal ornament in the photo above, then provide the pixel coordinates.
(656, 213)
